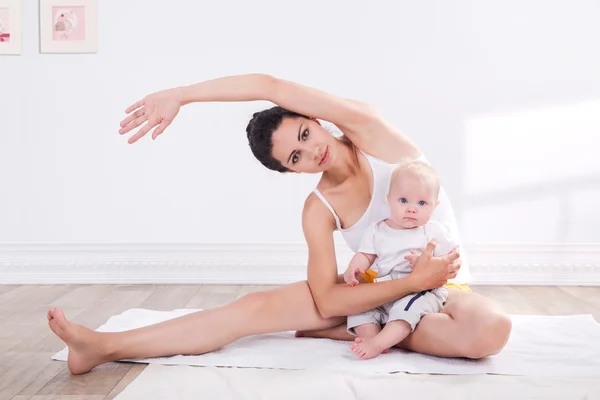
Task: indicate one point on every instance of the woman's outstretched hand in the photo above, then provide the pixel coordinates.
(432, 272)
(157, 110)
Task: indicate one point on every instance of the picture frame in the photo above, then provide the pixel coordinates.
(10, 27)
(68, 26)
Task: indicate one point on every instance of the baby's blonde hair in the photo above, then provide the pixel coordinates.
(423, 171)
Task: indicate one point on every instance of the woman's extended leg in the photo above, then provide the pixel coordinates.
(286, 308)
(469, 325)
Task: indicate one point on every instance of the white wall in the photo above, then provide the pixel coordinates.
(503, 97)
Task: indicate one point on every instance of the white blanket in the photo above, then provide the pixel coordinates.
(186, 382)
(538, 346)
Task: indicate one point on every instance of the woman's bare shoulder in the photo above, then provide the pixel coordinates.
(316, 217)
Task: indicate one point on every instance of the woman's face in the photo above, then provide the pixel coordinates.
(304, 146)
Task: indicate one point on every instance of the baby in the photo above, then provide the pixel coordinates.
(386, 248)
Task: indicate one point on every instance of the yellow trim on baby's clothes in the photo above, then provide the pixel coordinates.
(369, 277)
(459, 286)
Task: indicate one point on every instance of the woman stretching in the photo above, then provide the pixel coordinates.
(355, 170)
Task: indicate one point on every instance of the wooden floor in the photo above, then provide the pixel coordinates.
(26, 343)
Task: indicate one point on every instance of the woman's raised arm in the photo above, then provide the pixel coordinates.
(362, 124)
(160, 108)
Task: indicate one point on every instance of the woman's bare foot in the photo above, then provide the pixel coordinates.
(368, 348)
(85, 349)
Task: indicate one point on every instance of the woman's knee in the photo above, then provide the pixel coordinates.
(485, 324)
(254, 303)
(488, 335)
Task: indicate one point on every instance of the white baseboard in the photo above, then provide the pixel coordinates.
(489, 264)
(535, 264)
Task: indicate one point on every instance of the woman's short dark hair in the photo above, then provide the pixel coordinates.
(260, 134)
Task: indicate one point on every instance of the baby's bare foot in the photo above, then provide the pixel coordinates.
(360, 340)
(85, 348)
(366, 349)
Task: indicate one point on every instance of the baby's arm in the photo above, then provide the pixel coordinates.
(364, 257)
(359, 263)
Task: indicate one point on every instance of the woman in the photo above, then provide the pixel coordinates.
(348, 196)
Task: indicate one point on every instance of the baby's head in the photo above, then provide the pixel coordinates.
(413, 194)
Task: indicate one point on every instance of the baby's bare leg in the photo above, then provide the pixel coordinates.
(367, 331)
(393, 333)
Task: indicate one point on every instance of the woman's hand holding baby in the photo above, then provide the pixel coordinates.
(433, 272)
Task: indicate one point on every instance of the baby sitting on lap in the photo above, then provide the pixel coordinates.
(385, 249)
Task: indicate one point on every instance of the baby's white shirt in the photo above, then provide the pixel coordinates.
(392, 245)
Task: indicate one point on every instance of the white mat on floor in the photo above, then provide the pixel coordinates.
(539, 346)
(185, 382)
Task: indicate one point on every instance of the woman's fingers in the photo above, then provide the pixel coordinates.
(142, 132)
(452, 256)
(134, 106)
(137, 122)
(129, 119)
(430, 248)
(160, 129)
(455, 265)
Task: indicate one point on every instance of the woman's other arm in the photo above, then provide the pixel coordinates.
(334, 299)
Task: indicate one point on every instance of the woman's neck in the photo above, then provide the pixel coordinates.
(346, 165)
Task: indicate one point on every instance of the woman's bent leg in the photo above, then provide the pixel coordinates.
(469, 325)
(286, 308)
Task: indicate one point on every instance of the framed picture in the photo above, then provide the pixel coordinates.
(10, 26)
(68, 26)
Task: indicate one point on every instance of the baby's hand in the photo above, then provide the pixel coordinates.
(351, 273)
(413, 257)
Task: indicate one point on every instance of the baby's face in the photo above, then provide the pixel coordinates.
(411, 201)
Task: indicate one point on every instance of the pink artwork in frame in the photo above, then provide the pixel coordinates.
(69, 26)
(4, 25)
(68, 23)
(10, 27)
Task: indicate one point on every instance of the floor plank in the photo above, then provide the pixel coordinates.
(30, 332)
(52, 369)
(7, 288)
(18, 370)
(127, 379)
(211, 296)
(590, 295)
(557, 301)
(101, 381)
(83, 296)
(111, 304)
(67, 397)
(12, 302)
(511, 300)
(170, 297)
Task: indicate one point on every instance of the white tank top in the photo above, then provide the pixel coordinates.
(378, 209)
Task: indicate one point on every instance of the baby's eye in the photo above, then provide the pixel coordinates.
(295, 158)
(422, 203)
(305, 134)
(403, 200)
